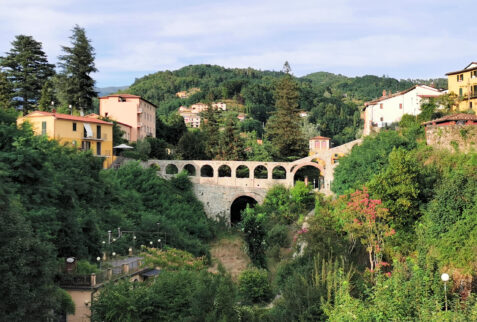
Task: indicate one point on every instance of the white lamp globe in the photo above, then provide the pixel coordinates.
(445, 277)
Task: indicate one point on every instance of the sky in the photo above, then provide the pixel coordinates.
(401, 39)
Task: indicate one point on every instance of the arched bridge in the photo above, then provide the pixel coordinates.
(218, 184)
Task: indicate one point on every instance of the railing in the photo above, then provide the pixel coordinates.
(115, 272)
(95, 138)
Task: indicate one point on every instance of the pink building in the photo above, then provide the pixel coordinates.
(319, 143)
(130, 110)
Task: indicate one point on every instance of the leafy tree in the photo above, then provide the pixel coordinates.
(27, 69)
(283, 128)
(191, 146)
(253, 226)
(368, 222)
(366, 160)
(398, 187)
(158, 148)
(254, 286)
(77, 65)
(27, 268)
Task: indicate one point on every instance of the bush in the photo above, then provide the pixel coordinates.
(278, 236)
(254, 286)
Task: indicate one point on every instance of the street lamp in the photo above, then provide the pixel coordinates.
(445, 278)
(159, 242)
(150, 243)
(99, 262)
(114, 254)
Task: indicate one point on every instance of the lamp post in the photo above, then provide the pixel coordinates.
(159, 242)
(445, 278)
(99, 262)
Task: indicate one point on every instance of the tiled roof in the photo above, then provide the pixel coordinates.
(382, 98)
(320, 138)
(466, 69)
(86, 119)
(454, 117)
(128, 96)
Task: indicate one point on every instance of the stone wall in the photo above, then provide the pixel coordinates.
(452, 137)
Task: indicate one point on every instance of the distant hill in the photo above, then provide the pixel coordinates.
(102, 91)
(367, 87)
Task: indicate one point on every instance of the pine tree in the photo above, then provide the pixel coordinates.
(77, 64)
(283, 127)
(26, 68)
(48, 97)
(5, 91)
(212, 132)
(231, 144)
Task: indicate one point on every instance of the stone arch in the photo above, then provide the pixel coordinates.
(242, 171)
(206, 171)
(319, 178)
(225, 171)
(260, 172)
(190, 169)
(171, 169)
(279, 172)
(239, 203)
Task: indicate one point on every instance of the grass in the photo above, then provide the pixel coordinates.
(229, 250)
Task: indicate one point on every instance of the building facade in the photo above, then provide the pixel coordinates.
(132, 111)
(463, 84)
(390, 108)
(82, 132)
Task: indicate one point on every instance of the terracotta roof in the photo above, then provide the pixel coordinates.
(382, 98)
(86, 119)
(454, 117)
(463, 70)
(320, 138)
(128, 96)
(123, 124)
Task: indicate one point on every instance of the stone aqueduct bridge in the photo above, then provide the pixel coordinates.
(218, 190)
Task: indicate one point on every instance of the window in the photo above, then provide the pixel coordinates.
(381, 119)
(470, 104)
(74, 127)
(43, 128)
(460, 77)
(381, 106)
(98, 131)
(98, 148)
(85, 145)
(400, 106)
(460, 91)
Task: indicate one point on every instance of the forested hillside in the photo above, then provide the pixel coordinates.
(57, 202)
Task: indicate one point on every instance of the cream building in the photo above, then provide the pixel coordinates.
(389, 108)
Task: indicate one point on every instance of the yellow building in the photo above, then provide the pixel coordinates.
(463, 83)
(83, 132)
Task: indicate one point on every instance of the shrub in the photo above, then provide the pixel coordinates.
(254, 286)
(278, 236)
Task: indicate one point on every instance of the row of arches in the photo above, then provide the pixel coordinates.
(224, 171)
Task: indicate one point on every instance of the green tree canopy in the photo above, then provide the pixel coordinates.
(77, 65)
(27, 69)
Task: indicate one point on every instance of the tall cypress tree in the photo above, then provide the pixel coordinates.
(212, 132)
(6, 91)
(231, 145)
(283, 127)
(26, 68)
(77, 64)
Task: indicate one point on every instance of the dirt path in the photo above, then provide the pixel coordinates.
(231, 253)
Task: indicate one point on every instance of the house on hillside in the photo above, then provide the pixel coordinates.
(219, 106)
(463, 83)
(389, 108)
(318, 144)
(130, 110)
(199, 107)
(191, 119)
(82, 132)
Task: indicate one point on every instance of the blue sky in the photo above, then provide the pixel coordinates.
(402, 39)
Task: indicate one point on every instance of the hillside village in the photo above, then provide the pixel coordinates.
(225, 194)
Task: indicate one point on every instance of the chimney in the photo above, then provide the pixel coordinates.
(384, 93)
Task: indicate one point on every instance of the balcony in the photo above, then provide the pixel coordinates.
(104, 137)
(139, 124)
(139, 110)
